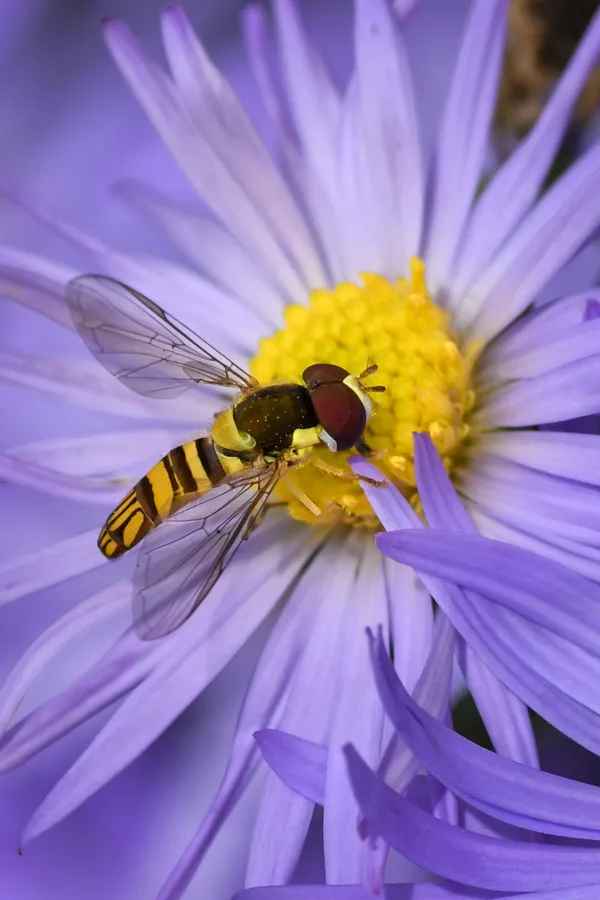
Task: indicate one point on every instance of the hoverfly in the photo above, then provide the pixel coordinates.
(208, 494)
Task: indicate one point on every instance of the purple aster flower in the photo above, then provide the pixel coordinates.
(275, 281)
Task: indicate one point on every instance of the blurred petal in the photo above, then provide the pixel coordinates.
(54, 564)
(263, 705)
(196, 654)
(119, 671)
(196, 299)
(116, 455)
(84, 383)
(70, 487)
(37, 283)
(82, 618)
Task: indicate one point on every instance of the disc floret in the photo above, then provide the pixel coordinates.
(427, 377)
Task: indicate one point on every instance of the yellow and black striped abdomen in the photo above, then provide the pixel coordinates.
(186, 471)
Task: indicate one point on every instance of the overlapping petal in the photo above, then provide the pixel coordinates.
(209, 247)
(499, 787)
(464, 856)
(536, 627)
(191, 659)
(237, 179)
(314, 693)
(83, 618)
(462, 143)
(263, 706)
(515, 187)
(52, 565)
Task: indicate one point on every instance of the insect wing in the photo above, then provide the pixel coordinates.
(182, 559)
(151, 352)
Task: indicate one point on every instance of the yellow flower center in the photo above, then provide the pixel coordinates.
(426, 376)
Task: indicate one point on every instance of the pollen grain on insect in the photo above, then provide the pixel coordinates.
(426, 373)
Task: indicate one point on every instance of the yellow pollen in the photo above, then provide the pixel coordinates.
(426, 373)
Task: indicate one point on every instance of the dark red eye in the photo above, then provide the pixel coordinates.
(323, 373)
(340, 412)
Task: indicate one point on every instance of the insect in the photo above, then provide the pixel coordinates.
(208, 494)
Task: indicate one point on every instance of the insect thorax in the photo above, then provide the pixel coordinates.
(268, 422)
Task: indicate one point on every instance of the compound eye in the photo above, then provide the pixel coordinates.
(323, 373)
(340, 412)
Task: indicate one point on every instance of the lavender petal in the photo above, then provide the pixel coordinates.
(308, 713)
(518, 183)
(565, 455)
(464, 133)
(466, 857)
(262, 708)
(231, 136)
(84, 383)
(209, 247)
(197, 652)
(500, 787)
(208, 171)
(79, 488)
(357, 717)
(565, 393)
(557, 227)
(37, 283)
(78, 621)
(388, 127)
(53, 565)
(301, 764)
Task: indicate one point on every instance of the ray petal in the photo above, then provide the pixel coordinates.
(517, 184)
(197, 653)
(464, 134)
(84, 617)
(37, 283)
(82, 382)
(241, 211)
(389, 128)
(262, 707)
(274, 850)
(357, 718)
(52, 565)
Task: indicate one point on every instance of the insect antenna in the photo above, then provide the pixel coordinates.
(374, 389)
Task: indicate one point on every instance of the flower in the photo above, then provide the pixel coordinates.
(443, 284)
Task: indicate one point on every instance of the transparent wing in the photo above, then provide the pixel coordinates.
(148, 350)
(182, 559)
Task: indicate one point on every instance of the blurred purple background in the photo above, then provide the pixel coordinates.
(71, 130)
